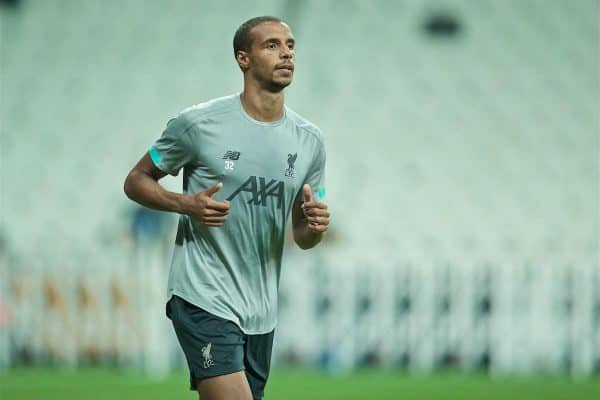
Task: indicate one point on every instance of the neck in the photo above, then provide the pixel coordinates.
(261, 104)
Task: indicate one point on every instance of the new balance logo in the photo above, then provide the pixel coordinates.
(231, 155)
(261, 190)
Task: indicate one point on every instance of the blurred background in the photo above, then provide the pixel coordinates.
(463, 179)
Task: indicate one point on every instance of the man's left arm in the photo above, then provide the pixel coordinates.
(310, 220)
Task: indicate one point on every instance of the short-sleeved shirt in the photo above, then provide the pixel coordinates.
(233, 271)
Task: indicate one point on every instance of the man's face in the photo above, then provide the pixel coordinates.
(271, 58)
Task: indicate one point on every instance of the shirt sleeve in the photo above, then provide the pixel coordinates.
(174, 149)
(316, 176)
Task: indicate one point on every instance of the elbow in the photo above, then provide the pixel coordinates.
(128, 186)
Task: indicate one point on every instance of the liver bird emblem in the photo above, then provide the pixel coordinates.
(289, 172)
(292, 160)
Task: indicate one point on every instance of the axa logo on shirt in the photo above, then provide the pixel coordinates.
(261, 190)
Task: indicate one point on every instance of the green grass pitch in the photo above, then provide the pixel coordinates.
(96, 384)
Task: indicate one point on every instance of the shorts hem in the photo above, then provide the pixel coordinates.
(219, 314)
(194, 378)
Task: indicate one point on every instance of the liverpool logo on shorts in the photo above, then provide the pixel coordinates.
(208, 361)
(289, 172)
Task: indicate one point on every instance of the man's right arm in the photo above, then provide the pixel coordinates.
(141, 186)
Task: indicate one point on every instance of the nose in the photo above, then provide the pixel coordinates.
(287, 53)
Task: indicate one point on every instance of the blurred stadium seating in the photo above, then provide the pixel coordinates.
(462, 175)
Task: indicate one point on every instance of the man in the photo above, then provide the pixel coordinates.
(247, 161)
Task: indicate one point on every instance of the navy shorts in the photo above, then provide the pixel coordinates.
(215, 346)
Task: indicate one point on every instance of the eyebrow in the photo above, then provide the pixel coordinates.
(278, 40)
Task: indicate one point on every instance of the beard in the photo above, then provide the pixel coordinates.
(271, 83)
(276, 86)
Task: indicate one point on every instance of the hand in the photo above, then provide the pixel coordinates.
(316, 213)
(205, 209)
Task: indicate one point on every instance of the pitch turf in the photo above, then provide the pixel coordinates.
(96, 384)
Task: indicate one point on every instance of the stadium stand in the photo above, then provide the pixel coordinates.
(462, 172)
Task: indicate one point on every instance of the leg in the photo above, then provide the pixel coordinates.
(214, 350)
(224, 387)
(257, 362)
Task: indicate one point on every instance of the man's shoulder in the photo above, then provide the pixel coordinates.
(304, 124)
(208, 109)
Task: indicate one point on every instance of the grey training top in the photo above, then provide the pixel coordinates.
(233, 271)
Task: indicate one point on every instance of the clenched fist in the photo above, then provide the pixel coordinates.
(204, 209)
(316, 213)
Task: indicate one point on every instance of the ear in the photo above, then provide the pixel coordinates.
(243, 60)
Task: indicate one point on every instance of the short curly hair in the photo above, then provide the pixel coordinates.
(242, 39)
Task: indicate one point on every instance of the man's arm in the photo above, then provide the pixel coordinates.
(141, 186)
(310, 220)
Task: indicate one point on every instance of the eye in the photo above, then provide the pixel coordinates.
(291, 46)
(271, 45)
